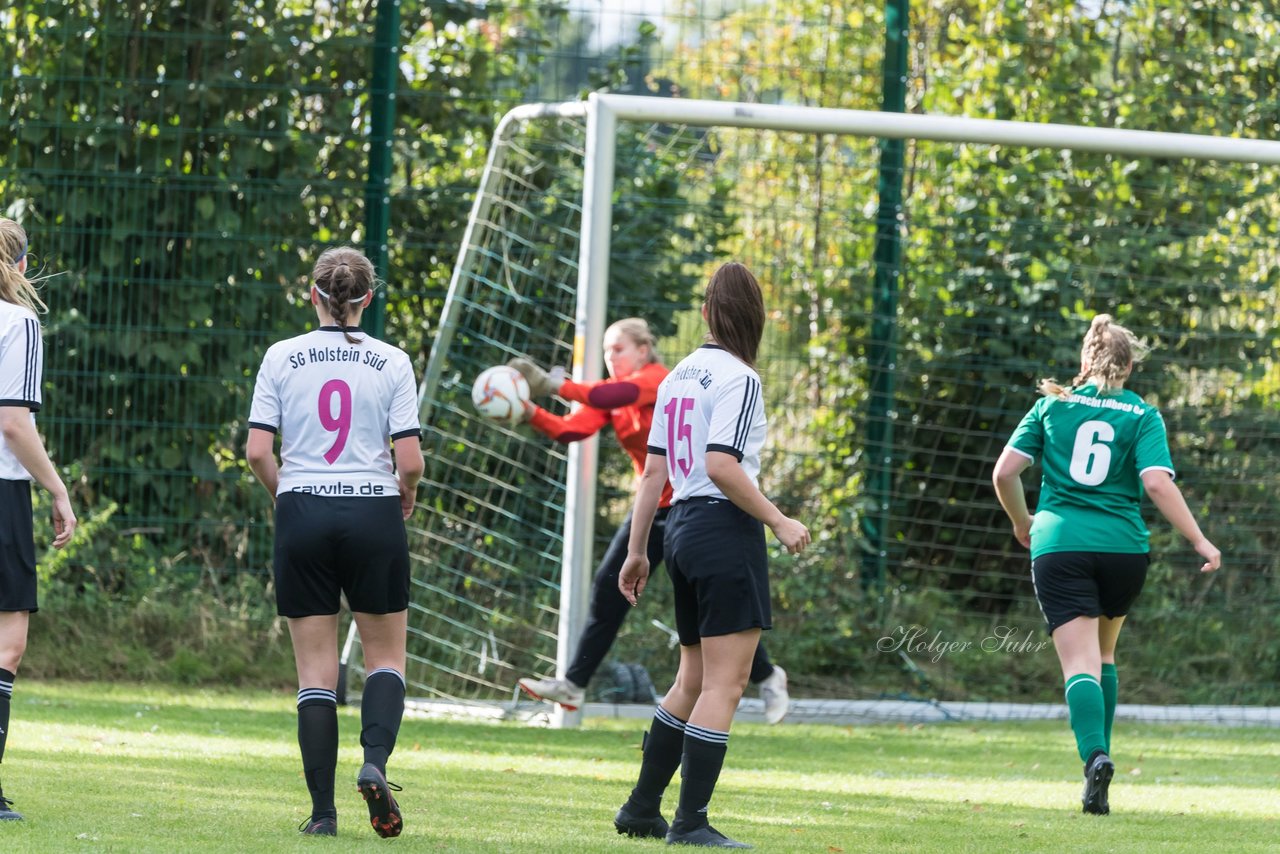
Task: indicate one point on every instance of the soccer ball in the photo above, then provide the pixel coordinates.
(500, 394)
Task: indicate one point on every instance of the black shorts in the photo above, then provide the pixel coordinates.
(17, 547)
(325, 546)
(719, 569)
(1087, 584)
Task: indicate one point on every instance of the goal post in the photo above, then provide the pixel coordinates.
(592, 283)
(533, 277)
(588, 364)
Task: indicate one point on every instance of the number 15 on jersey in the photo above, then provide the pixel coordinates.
(679, 430)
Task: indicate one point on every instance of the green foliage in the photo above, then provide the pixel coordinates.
(185, 211)
(182, 165)
(1007, 254)
(114, 605)
(186, 636)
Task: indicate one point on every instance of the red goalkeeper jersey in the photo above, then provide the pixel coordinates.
(626, 402)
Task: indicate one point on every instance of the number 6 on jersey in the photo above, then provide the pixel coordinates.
(1090, 458)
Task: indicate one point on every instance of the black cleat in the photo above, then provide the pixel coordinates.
(1097, 778)
(706, 836)
(384, 812)
(325, 825)
(7, 812)
(640, 826)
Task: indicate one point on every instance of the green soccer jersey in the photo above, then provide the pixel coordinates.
(1093, 450)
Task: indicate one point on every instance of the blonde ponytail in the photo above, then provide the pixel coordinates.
(1107, 356)
(15, 287)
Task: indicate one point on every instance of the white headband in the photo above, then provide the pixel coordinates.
(352, 301)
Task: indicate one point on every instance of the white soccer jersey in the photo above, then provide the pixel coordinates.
(337, 406)
(709, 402)
(21, 371)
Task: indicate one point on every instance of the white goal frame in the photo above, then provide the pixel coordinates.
(602, 112)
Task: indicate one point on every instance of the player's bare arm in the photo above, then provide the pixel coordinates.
(727, 474)
(635, 571)
(21, 438)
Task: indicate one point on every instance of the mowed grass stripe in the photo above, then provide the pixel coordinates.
(129, 768)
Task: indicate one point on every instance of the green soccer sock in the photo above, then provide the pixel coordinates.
(1084, 701)
(1110, 690)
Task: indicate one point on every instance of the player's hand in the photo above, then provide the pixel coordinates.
(1212, 557)
(793, 535)
(633, 577)
(1022, 533)
(540, 382)
(64, 521)
(408, 497)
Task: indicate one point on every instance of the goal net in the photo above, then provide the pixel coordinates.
(1008, 240)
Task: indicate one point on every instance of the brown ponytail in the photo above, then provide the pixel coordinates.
(342, 277)
(735, 311)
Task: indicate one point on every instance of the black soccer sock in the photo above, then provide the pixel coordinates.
(318, 740)
(381, 708)
(704, 751)
(6, 695)
(761, 666)
(663, 744)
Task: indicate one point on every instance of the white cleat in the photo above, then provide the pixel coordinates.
(777, 702)
(561, 691)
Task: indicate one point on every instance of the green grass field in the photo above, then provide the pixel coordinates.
(128, 768)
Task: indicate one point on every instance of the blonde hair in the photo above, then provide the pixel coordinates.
(1106, 358)
(637, 329)
(15, 287)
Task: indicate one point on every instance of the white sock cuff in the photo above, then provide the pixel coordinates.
(1080, 679)
(669, 719)
(317, 696)
(711, 736)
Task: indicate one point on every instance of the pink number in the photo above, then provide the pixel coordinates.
(341, 424)
(686, 433)
(678, 429)
(670, 411)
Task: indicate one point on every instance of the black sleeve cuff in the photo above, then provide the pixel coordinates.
(726, 449)
(258, 425)
(415, 433)
(657, 452)
(29, 404)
